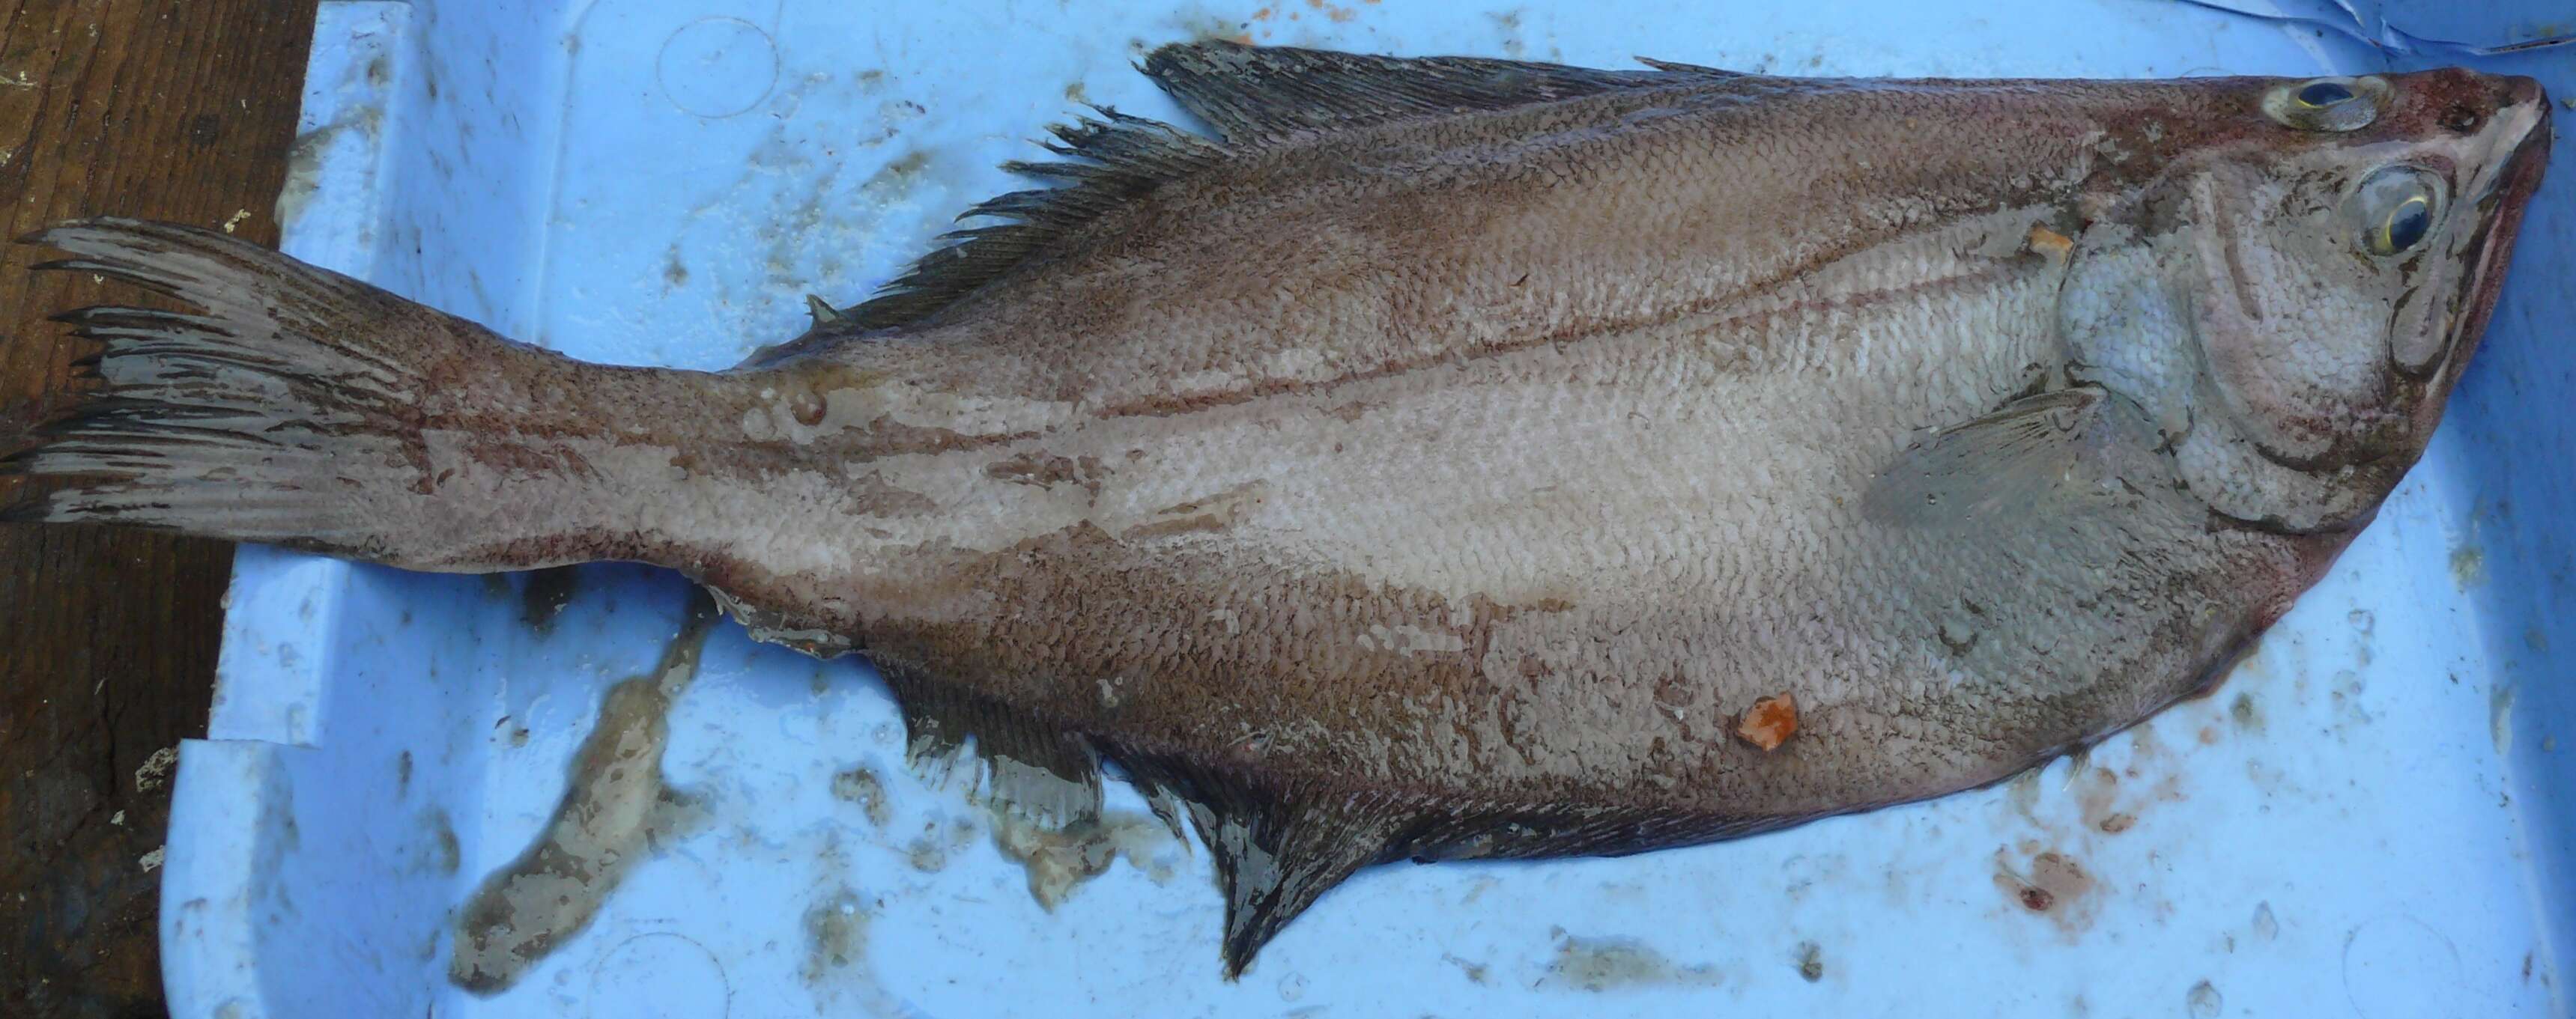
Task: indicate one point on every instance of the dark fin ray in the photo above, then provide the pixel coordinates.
(1110, 161)
(1025, 768)
(294, 406)
(1256, 95)
(1553, 831)
(220, 422)
(1276, 849)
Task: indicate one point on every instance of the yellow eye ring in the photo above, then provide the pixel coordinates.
(2396, 208)
(2404, 227)
(2326, 104)
(2318, 95)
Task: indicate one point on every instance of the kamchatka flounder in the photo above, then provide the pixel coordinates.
(1445, 458)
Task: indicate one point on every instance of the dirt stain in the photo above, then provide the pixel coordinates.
(2500, 718)
(836, 936)
(2203, 1001)
(1061, 860)
(2247, 713)
(2054, 885)
(1811, 962)
(615, 811)
(927, 855)
(2100, 791)
(1618, 964)
(444, 854)
(898, 178)
(862, 786)
(2468, 566)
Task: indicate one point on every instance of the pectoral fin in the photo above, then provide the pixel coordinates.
(2073, 450)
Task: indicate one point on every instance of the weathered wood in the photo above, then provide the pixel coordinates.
(170, 109)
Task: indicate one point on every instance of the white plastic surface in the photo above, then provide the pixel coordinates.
(2371, 818)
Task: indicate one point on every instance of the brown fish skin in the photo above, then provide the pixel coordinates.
(1446, 482)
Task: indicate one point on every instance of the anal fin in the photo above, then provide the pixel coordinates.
(1025, 769)
(1277, 848)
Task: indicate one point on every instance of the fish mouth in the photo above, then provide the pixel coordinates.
(2491, 250)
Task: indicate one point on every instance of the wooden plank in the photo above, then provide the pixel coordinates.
(181, 110)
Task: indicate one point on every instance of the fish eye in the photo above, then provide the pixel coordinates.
(2321, 94)
(2396, 208)
(2327, 104)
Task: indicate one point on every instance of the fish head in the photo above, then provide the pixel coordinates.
(2322, 255)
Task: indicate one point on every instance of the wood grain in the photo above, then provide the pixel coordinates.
(170, 109)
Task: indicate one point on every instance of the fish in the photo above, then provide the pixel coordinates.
(1444, 458)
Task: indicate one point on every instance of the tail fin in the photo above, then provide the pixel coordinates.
(300, 407)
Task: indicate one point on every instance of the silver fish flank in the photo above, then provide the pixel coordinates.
(1453, 458)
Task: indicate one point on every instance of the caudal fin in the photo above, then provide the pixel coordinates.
(297, 406)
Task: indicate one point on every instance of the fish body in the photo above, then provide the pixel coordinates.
(1447, 460)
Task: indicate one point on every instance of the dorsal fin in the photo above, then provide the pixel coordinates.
(1116, 159)
(1254, 95)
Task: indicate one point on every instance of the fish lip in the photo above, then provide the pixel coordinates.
(2489, 257)
(2493, 252)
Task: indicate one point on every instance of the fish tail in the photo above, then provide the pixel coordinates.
(299, 407)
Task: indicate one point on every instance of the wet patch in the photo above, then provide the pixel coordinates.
(304, 159)
(2468, 566)
(546, 593)
(2203, 1001)
(441, 853)
(926, 855)
(1617, 964)
(862, 786)
(2500, 718)
(2100, 790)
(616, 811)
(931, 851)
(897, 179)
(2247, 713)
(1202, 26)
(836, 936)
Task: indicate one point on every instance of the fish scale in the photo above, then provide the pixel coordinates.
(1445, 460)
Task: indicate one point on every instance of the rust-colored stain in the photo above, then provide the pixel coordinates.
(2053, 885)
(1770, 722)
(2049, 242)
